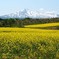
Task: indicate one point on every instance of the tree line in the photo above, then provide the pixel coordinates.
(16, 22)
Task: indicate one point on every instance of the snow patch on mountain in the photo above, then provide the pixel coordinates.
(26, 13)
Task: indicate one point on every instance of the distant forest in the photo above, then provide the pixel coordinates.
(16, 22)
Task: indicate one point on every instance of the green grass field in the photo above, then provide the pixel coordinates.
(32, 42)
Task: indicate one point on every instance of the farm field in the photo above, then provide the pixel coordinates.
(40, 41)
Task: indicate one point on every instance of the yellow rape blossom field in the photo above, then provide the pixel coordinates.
(30, 42)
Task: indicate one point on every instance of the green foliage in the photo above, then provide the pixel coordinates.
(16, 22)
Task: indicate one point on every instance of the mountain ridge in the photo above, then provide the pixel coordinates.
(26, 13)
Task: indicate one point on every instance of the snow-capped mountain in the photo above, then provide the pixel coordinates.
(26, 13)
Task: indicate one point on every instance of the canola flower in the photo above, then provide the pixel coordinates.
(27, 43)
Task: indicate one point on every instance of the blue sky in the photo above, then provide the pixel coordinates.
(11, 6)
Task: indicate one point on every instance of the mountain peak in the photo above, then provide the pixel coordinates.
(26, 13)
